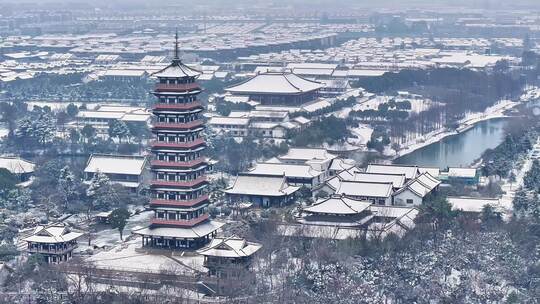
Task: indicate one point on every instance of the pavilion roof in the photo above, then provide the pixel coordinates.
(230, 247)
(339, 205)
(276, 83)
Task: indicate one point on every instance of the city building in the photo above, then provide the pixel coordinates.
(464, 175)
(178, 187)
(337, 211)
(235, 126)
(296, 175)
(102, 116)
(55, 242)
(376, 193)
(261, 190)
(318, 159)
(126, 170)
(277, 89)
(228, 256)
(414, 192)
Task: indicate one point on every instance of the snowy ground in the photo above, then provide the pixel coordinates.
(109, 237)
(363, 132)
(130, 256)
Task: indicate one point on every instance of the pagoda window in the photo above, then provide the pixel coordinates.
(171, 196)
(160, 195)
(171, 138)
(161, 176)
(161, 156)
(160, 214)
(161, 138)
(171, 177)
(161, 118)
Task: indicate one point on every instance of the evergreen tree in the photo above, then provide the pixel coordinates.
(118, 219)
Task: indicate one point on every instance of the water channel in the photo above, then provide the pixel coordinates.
(459, 150)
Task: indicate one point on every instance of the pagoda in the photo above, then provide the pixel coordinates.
(179, 197)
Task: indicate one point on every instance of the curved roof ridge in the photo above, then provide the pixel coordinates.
(285, 75)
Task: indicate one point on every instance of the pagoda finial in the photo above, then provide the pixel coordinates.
(176, 58)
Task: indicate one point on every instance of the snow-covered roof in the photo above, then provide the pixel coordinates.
(265, 125)
(339, 164)
(224, 120)
(309, 65)
(177, 69)
(434, 171)
(316, 105)
(301, 120)
(197, 231)
(338, 205)
(124, 73)
(236, 99)
(306, 154)
(409, 171)
(53, 233)
(16, 165)
(397, 180)
(100, 114)
(472, 204)
(136, 117)
(115, 164)
(268, 114)
(280, 169)
(395, 212)
(422, 185)
(352, 188)
(462, 172)
(276, 83)
(250, 184)
(230, 247)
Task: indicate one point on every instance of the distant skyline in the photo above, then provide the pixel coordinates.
(311, 4)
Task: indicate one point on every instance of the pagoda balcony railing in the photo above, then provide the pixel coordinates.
(166, 87)
(185, 126)
(180, 223)
(51, 250)
(186, 184)
(179, 164)
(180, 203)
(177, 106)
(185, 145)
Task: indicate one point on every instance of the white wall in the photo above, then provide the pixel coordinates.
(400, 199)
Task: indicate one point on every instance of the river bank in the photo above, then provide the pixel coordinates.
(493, 112)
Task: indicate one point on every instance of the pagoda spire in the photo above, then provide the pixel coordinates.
(176, 58)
